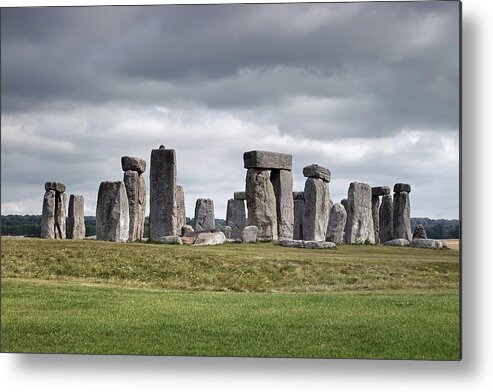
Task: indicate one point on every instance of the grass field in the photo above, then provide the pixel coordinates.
(234, 300)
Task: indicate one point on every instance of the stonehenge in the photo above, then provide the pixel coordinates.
(337, 223)
(136, 194)
(53, 220)
(112, 217)
(376, 192)
(282, 181)
(76, 228)
(236, 215)
(204, 215)
(317, 203)
(402, 212)
(359, 223)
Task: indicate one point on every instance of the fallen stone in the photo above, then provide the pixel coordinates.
(399, 187)
(380, 190)
(282, 182)
(204, 215)
(239, 196)
(267, 160)
(233, 240)
(426, 243)
(317, 171)
(359, 223)
(386, 219)
(337, 223)
(181, 218)
(419, 232)
(216, 238)
(317, 211)
(76, 228)
(134, 164)
(290, 243)
(112, 218)
(54, 186)
(48, 215)
(236, 217)
(249, 234)
(185, 229)
(402, 216)
(171, 239)
(227, 232)
(397, 242)
(188, 240)
(319, 245)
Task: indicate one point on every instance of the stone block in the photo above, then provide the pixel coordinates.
(317, 171)
(267, 160)
(134, 164)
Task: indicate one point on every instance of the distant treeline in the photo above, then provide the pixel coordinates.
(30, 226)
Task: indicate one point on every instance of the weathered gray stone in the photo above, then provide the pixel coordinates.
(317, 171)
(133, 164)
(319, 244)
(375, 212)
(181, 218)
(216, 238)
(48, 215)
(397, 242)
(380, 190)
(267, 160)
(386, 219)
(135, 187)
(298, 196)
(162, 215)
(419, 232)
(112, 218)
(239, 196)
(337, 223)
(299, 214)
(188, 240)
(171, 239)
(204, 215)
(227, 232)
(76, 228)
(402, 216)
(399, 187)
(60, 215)
(54, 186)
(249, 234)
(290, 243)
(344, 203)
(425, 243)
(317, 211)
(359, 223)
(236, 217)
(185, 229)
(282, 182)
(261, 204)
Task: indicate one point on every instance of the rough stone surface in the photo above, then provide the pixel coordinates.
(290, 243)
(181, 218)
(60, 215)
(76, 228)
(282, 182)
(239, 196)
(112, 218)
(337, 223)
(425, 243)
(318, 244)
(267, 160)
(261, 204)
(188, 240)
(399, 187)
(171, 239)
(48, 215)
(227, 232)
(216, 238)
(204, 215)
(317, 171)
(135, 187)
(359, 223)
(236, 217)
(317, 211)
(298, 195)
(380, 190)
(386, 219)
(402, 216)
(133, 164)
(249, 234)
(185, 229)
(419, 232)
(54, 186)
(397, 242)
(299, 214)
(162, 215)
(375, 212)
(344, 203)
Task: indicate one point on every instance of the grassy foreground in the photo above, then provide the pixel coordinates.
(231, 300)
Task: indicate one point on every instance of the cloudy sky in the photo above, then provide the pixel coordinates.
(369, 90)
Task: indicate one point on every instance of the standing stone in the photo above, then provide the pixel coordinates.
(181, 219)
(48, 215)
(135, 187)
(240, 195)
(419, 232)
(402, 214)
(337, 223)
(261, 204)
(299, 213)
(375, 210)
(112, 218)
(227, 232)
(344, 204)
(204, 215)
(236, 217)
(76, 228)
(249, 234)
(386, 219)
(60, 215)
(316, 217)
(359, 223)
(162, 216)
(282, 182)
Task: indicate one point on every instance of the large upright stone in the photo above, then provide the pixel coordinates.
(375, 210)
(181, 219)
(359, 223)
(316, 217)
(48, 215)
(136, 195)
(204, 215)
(337, 223)
(386, 219)
(267, 160)
(236, 217)
(402, 216)
(282, 182)
(299, 213)
(60, 215)
(261, 204)
(112, 218)
(76, 228)
(162, 215)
